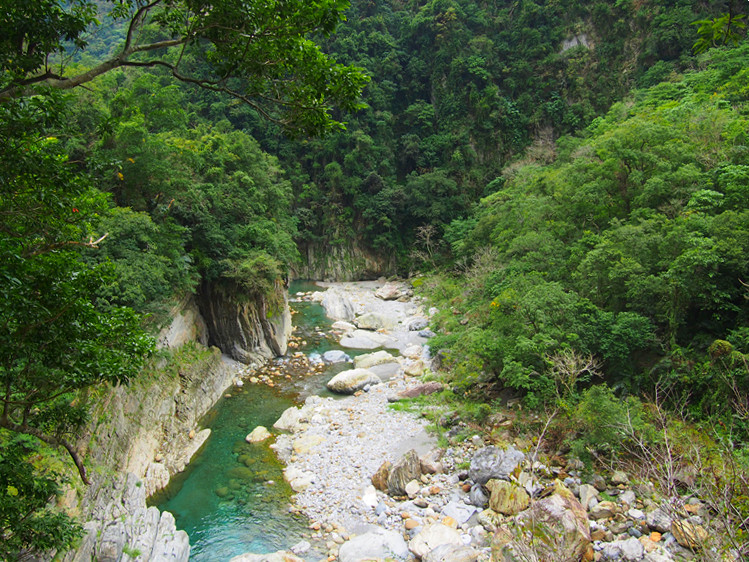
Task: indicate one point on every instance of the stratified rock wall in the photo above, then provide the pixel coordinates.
(342, 262)
(142, 434)
(249, 330)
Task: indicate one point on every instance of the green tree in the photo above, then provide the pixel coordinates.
(257, 52)
(58, 337)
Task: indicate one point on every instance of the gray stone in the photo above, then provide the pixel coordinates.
(452, 553)
(401, 473)
(348, 382)
(427, 333)
(433, 536)
(170, 544)
(343, 326)
(587, 492)
(337, 305)
(628, 497)
(336, 356)
(492, 462)
(113, 540)
(301, 547)
(659, 520)
(363, 339)
(477, 496)
(619, 477)
(459, 511)
(369, 360)
(375, 544)
(630, 550)
(375, 321)
(430, 461)
(416, 324)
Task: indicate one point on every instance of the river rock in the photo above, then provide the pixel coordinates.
(258, 435)
(689, 535)
(560, 522)
(412, 351)
(603, 510)
(452, 553)
(348, 382)
(337, 305)
(433, 536)
(299, 480)
(380, 478)
(459, 511)
(630, 550)
(377, 544)
(336, 356)
(431, 461)
(290, 420)
(420, 390)
(342, 326)
(280, 556)
(416, 324)
(477, 496)
(507, 498)
(375, 321)
(659, 520)
(402, 472)
(369, 360)
(306, 443)
(389, 292)
(415, 368)
(363, 339)
(587, 492)
(492, 462)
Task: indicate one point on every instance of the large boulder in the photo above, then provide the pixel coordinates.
(507, 498)
(377, 544)
(432, 537)
(452, 553)
(389, 292)
(258, 434)
(492, 462)
(369, 360)
(364, 339)
(375, 321)
(402, 472)
(558, 524)
(290, 420)
(336, 356)
(337, 305)
(280, 556)
(348, 382)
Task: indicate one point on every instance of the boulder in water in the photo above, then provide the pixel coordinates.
(336, 356)
(348, 382)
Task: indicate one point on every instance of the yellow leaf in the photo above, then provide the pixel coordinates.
(12, 491)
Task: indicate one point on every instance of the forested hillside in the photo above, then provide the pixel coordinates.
(568, 181)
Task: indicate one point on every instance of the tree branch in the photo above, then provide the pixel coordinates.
(50, 440)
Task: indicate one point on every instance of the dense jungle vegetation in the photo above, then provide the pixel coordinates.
(570, 178)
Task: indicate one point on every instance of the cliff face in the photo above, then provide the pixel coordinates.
(142, 434)
(348, 262)
(249, 330)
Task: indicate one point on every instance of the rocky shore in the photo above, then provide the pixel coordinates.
(376, 487)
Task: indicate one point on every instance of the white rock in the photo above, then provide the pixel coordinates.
(431, 537)
(258, 435)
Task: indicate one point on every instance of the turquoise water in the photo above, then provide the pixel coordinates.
(232, 498)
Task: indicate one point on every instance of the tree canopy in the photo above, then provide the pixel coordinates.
(258, 52)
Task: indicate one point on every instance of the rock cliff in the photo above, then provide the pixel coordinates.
(142, 434)
(342, 262)
(249, 330)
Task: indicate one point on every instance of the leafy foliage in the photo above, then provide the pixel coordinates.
(27, 523)
(632, 243)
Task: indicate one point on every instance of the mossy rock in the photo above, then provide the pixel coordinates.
(222, 492)
(241, 472)
(235, 484)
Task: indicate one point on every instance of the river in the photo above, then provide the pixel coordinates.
(232, 497)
